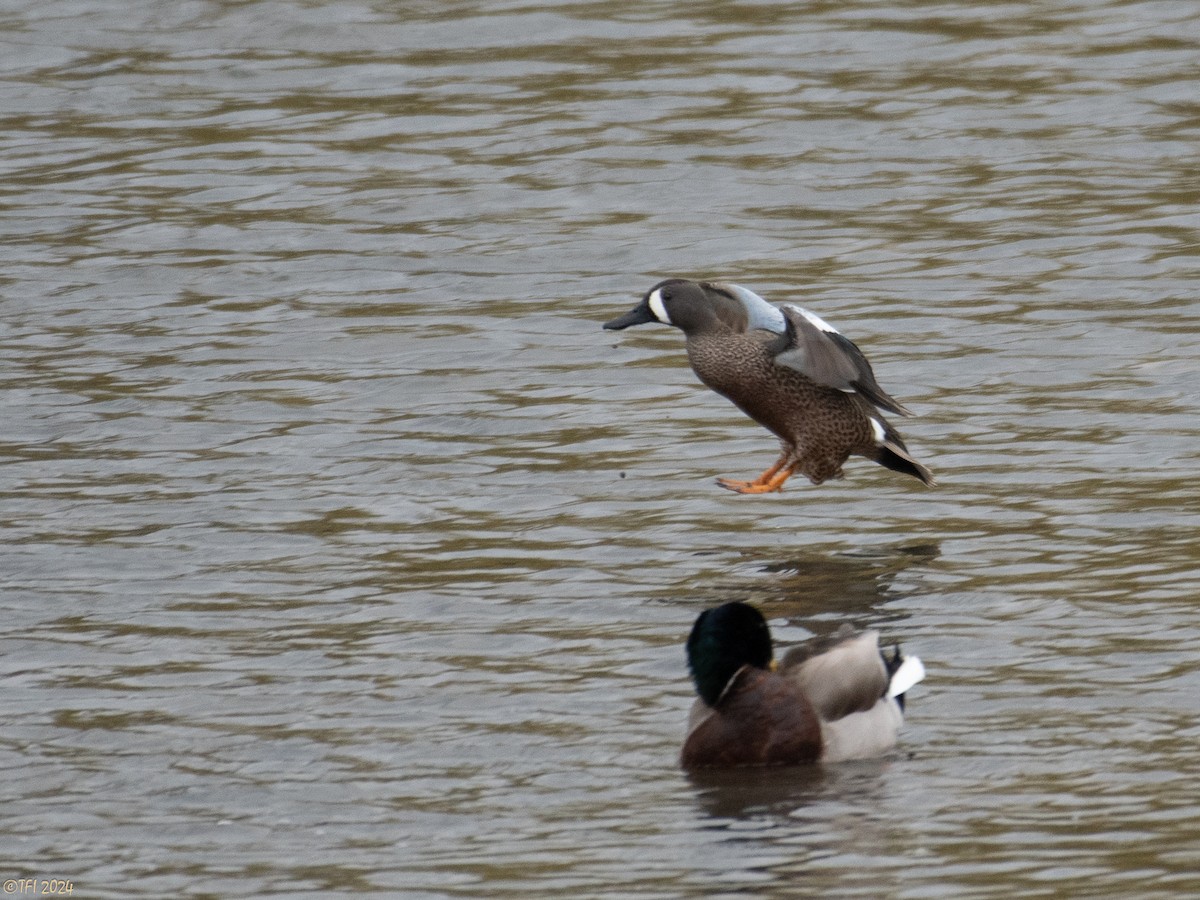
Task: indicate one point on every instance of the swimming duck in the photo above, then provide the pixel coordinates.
(790, 371)
(829, 701)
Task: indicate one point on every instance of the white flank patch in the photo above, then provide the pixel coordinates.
(816, 320)
(880, 434)
(656, 306)
(911, 671)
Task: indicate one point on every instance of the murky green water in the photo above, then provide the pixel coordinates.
(343, 553)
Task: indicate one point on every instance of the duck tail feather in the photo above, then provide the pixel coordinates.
(894, 456)
(907, 674)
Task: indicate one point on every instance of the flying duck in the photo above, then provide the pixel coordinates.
(790, 371)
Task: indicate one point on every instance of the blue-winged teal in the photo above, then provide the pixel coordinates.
(787, 369)
(828, 701)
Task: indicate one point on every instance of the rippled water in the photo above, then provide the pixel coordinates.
(343, 553)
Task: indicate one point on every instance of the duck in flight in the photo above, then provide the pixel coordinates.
(790, 371)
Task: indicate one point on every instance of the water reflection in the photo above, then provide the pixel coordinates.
(795, 793)
(854, 587)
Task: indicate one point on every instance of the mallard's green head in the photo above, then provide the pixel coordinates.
(722, 641)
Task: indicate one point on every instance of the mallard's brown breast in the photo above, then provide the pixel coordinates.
(763, 720)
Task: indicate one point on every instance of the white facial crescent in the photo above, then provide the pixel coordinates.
(657, 307)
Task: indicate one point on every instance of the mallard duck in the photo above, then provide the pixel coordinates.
(790, 371)
(829, 701)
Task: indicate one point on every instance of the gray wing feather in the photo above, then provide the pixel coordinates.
(848, 677)
(830, 358)
(759, 313)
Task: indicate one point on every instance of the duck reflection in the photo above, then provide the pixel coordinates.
(822, 591)
(786, 791)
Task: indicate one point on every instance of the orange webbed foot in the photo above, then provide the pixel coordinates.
(748, 487)
(768, 482)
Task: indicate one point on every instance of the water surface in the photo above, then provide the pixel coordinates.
(343, 553)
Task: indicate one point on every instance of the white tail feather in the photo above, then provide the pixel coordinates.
(911, 671)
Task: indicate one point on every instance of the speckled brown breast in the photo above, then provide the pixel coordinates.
(821, 426)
